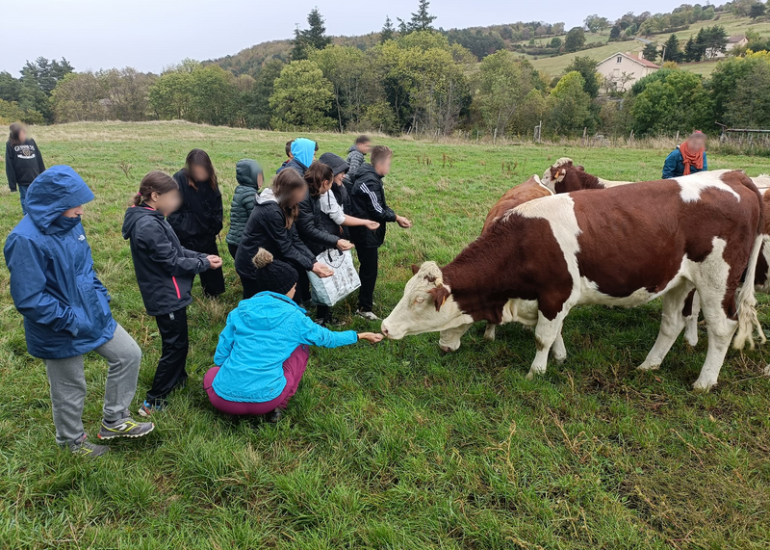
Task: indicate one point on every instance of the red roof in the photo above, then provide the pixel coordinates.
(646, 63)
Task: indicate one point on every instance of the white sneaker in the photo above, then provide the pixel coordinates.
(368, 315)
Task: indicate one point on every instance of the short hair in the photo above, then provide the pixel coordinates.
(316, 145)
(360, 140)
(288, 147)
(380, 153)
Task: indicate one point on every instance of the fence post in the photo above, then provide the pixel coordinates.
(585, 129)
(494, 140)
(677, 136)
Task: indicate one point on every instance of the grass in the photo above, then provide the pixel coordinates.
(394, 446)
(554, 66)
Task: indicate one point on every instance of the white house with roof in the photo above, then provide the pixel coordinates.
(738, 41)
(621, 70)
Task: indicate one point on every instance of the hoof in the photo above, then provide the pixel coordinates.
(703, 386)
(445, 350)
(530, 376)
(489, 334)
(766, 371)
(691, 340)
(645, 367)
(560, 359)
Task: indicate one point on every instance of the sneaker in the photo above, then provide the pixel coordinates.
(274, 416)
(128, 427)
(330, 321)
(88, 450)
(147, 410)
(368, 315)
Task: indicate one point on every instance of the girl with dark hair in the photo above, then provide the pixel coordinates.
(198, 221)
(23, 162)
(165, 272)
(271, 228)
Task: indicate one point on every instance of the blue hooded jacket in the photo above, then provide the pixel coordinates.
(302, 151)
(53, 283)
(261, 333)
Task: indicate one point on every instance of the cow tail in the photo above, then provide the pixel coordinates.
(747, 303)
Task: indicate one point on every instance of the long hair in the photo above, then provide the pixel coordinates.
(316, 175)
(154, 182)
(284, 185)
(16, 128)
(199, 157)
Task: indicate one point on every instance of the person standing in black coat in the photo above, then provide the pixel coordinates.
(271, 231)
(23, 162)
(165, 272)
(367, 201)
(199, 220)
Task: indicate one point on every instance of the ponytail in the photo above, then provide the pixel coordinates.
(154, 182)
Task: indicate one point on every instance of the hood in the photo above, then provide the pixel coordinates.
(247, 171)
(266, 196)
(267, 310)
(51, 194)
(352, 148)
(367, 170)
(134, 214)
(335, 162)
(303, 150)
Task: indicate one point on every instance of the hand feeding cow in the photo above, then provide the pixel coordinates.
(618, 246)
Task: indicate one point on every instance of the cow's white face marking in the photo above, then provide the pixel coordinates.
(416, 312)
(693, 185)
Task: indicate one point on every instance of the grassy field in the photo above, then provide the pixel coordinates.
(554, 66)
(395, 446)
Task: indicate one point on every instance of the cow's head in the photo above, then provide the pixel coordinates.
(427, 306)
(554, 177)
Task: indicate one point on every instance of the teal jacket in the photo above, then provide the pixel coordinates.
(247, 173)
(674, 165)
(261, 333)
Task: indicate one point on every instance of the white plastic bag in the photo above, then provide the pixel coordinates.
(330, 290)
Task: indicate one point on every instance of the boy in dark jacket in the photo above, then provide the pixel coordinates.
(66, 311)
(356, 158)
(250, 178)
(302, 153)
(165, 272)
(23, 162)
(367, 201)
(289, 156)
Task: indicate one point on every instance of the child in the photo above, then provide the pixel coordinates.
(302, 155)
(367, 201)
(66, 311)
(250, 178)
(165, 272)
(288, 155)
(356, 158)
(23, 162)
(263, 350)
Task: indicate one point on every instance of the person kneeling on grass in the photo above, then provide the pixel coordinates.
(66, 311)
(263, 350)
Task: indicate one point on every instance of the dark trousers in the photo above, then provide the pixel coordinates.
(213, 280)
(171, 367)
(303, 287)
(367, 272)
(233, 249)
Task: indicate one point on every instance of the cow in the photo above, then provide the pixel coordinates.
(622, 246)
(564, 177)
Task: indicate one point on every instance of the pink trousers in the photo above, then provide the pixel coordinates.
(293, 369)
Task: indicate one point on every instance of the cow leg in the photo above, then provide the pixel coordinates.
(720, 329)
(546, 333)
(691, 321)
(559, 351)
(671, 324)
(489, 333)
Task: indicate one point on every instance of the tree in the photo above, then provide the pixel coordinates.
(569, 105)
(692, 51)
(558, 29)
(503, 85)
(80, 96)
(171, 95)
(587, 69)
(257, 108)
(671, 51)
(301, 98)
(422, 20)
(388, 30)
(671, 100)
(748, 105)
(614, 33)
(351, 79)
(757, 10)
(712, 41)
(576, 39)
(313, 37)
(556, 42)
(595, 24)
(650, 52)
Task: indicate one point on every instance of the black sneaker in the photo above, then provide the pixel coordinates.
(88, 450)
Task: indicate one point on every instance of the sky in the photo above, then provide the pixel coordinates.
(150, 35)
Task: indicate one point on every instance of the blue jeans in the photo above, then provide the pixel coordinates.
(23, 197)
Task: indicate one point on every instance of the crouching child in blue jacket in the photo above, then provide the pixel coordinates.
(263, 350)
(66, 311)
(165, 272)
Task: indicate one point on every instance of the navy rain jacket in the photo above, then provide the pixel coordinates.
(53, 283)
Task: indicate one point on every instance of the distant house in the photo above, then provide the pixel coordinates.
(733, 42)
(621, 70)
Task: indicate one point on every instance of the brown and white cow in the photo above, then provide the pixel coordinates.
(620, 246)
(564, 176)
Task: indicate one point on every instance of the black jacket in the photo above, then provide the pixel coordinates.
(23, 163)
(199, 220)
(266, 229)
(367, 201)
(297, 165)
(312, 229)
(164, 269)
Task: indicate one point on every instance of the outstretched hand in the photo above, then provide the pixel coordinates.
(215, 262)
(371, 337)
(403, 222)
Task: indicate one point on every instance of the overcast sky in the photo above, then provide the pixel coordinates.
(151, 34)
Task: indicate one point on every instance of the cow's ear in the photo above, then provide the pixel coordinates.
(439, 294)
(580, 167)
(415, 269)
(562, 173)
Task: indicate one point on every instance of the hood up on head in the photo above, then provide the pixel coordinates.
(303, 150)
(54, 192)
(247, 172)
(335, 162)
